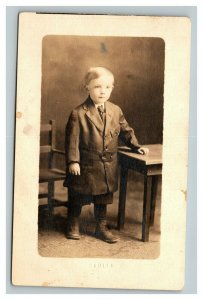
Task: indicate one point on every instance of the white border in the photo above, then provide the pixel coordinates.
(200, 96)
(167, 271)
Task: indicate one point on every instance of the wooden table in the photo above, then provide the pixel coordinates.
(151, 167)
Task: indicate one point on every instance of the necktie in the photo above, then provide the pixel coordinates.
(101, 112)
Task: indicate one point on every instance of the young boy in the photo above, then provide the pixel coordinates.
(91, 144)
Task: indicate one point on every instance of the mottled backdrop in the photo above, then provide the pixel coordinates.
(138, 66)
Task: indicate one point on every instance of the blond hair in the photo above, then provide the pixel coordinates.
(96, 72)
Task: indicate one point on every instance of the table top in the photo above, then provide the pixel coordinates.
(154, 156)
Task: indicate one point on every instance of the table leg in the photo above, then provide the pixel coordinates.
(122, 197)
(153, 198)
(146, 208)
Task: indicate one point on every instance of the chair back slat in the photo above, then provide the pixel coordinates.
(53, 134)
(49, 130)
(45, 149)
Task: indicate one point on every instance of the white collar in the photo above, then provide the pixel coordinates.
(99, 104)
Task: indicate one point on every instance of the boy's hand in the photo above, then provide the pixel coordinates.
(74, 169)
(143, 150)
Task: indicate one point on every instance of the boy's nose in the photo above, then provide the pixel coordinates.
(102, 91)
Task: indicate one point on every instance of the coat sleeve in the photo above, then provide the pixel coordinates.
(127, 134)
(72, 136)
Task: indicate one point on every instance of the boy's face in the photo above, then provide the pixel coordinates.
(100, 88)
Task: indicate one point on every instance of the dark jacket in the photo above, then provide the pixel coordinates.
(94, 146)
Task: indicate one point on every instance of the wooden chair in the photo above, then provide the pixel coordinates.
(50, 174)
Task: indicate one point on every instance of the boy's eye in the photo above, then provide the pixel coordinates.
(99, 87)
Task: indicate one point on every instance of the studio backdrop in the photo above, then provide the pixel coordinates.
(138, 67)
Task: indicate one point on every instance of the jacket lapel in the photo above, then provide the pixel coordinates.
(93, 114)
(109, 116)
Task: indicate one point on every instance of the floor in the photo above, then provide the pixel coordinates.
(53, 243)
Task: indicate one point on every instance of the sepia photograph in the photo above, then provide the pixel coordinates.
(100, 191)
(101, 170)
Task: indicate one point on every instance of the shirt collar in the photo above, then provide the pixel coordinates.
(99, 104)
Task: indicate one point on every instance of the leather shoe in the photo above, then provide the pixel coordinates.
(104, 234)
(73, 229)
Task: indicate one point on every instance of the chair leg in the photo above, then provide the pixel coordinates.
(50, 197)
